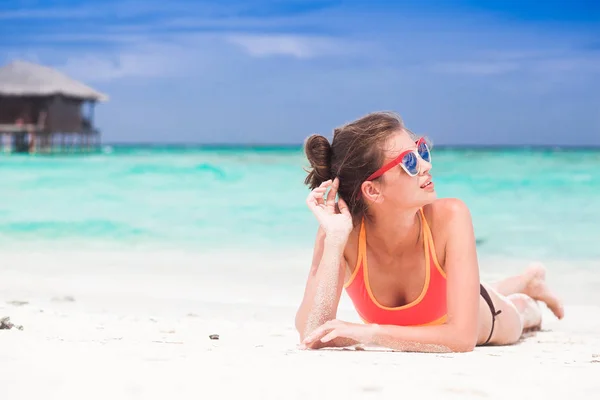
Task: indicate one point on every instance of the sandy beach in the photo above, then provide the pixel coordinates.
(138, 326)
(157, 160)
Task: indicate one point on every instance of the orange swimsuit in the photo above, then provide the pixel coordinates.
(428, 309)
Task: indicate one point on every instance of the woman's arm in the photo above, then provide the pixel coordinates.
(460, 332)
(324, 285)
(326, 277)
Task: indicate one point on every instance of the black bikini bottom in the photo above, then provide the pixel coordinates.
(486, 296)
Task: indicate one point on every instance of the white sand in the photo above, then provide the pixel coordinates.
(139, 328)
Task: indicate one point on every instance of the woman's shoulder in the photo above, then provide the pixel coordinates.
(447, 208)
(446, 218)
(444, 215)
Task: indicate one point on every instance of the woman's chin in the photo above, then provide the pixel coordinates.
(429, 197)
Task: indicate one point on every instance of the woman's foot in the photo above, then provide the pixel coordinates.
(537, 289)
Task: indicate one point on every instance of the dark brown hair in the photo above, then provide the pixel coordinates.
(357, 150)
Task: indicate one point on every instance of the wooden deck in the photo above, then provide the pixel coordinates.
(28, 138)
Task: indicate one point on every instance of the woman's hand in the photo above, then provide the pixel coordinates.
(336, 329)
(335, 221)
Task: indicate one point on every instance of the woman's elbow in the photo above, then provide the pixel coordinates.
(464, 343)
(300, 323)
(463, 347)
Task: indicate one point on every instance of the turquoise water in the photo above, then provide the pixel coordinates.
(525, 202)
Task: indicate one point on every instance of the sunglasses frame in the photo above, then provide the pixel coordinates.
(398, 161)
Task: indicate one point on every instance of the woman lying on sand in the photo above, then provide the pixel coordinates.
(406, 259)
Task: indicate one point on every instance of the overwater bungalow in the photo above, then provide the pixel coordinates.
(44, 111)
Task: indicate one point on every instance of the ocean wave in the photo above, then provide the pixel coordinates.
(59, 228)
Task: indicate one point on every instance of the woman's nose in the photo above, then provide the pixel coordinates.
(425, 166)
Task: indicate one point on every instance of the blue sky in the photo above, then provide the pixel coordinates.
(274, 71)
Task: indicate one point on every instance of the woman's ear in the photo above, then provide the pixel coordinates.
(371, 192)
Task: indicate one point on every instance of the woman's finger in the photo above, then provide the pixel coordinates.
(321, 330)
(322, 188)
(343, 207)
(331, 335)
(312, 337)
(317, 193)
(318, 196)
(316, 334)
(330, 204)
(315, 207)
(325, 184)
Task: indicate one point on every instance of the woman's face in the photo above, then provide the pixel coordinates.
(397, 187)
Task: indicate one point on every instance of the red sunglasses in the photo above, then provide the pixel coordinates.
(408, 160)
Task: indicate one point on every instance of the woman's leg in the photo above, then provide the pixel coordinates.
(517, 298)
(532, 282)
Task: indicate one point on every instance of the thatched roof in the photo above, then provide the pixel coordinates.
(21, 78)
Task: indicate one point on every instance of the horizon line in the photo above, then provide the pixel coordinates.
(301, 145)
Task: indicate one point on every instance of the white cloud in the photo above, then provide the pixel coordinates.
(475, 67)
(191, 54)
(29, 55)
(95, 68)
(149, 60)
(577, 62)
(83, 38)
(539, 63)
(297, 46)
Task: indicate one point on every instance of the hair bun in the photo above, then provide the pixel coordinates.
(318, 152)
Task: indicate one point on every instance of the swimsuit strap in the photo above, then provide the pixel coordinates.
(362, 241)
(427, 236)
(488, 300)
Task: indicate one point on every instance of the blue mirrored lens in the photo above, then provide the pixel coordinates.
(411, 163)
(424, 152)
